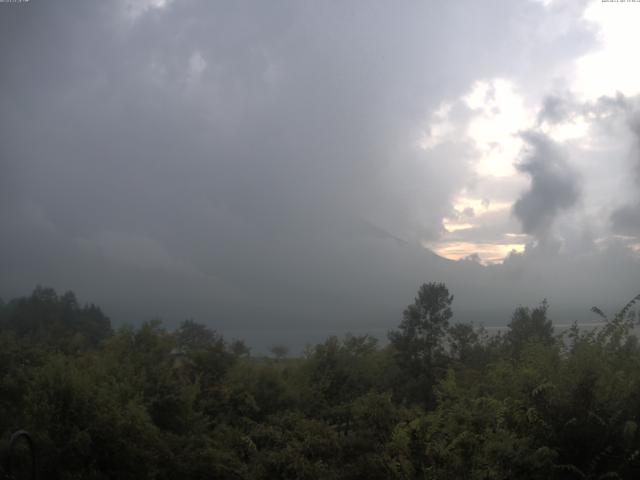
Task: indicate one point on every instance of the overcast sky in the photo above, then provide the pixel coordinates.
(293, 168)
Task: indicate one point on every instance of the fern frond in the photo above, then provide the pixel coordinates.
(569, 468)
(600, 313)
(625, 310)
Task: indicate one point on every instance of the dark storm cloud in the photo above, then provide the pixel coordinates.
(251, 164)
(554, 185)
(559, 108)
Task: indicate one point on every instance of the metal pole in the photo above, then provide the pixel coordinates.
(12, 443)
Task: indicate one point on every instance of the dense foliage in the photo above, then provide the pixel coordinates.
(441, 400)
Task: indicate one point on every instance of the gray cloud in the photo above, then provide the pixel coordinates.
(254, 165)
(609, 115)
(556, 109)
(554, 185)
(625, 220)
(562, 107)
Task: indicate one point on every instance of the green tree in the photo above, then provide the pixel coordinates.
(463, 341)
(530, 325)
(280, 352)
(56, 320)
(418, 343)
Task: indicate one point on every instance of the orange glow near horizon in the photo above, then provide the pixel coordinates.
(489, 253)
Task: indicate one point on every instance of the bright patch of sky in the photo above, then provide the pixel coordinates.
(498, 111)
(612, 66)
(501, 114)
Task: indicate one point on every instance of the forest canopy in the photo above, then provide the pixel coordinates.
(440, 399)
